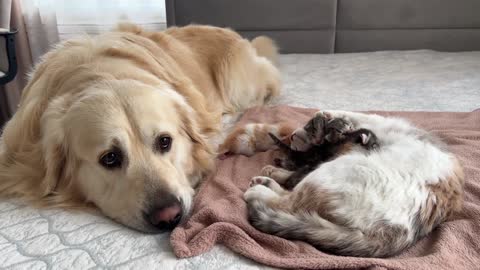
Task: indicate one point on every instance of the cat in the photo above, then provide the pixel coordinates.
(361, 203)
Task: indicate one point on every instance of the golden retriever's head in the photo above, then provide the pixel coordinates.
(112, 121)
(133, 150)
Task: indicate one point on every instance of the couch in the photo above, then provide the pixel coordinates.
(337, 26)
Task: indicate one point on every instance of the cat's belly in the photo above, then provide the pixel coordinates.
(388, 185)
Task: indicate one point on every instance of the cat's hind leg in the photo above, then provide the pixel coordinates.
(264, 189)
(288, 179)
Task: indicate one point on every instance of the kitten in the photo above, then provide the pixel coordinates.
(361, 203)
(252, 138)
(335, 137)
(303, 162)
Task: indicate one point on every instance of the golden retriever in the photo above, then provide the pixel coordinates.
(127, 120)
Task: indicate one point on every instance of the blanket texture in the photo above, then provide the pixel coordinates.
(220, 214)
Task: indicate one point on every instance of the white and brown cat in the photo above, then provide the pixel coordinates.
(370, 203)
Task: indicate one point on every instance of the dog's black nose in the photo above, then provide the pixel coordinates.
(166, 218)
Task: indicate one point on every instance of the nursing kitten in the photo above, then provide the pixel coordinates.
(361, 203)
(252, 138)
(324, 138)
(303, 162)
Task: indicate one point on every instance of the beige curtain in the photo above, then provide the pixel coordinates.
(12, 91)
(50, 21)
(42, 23)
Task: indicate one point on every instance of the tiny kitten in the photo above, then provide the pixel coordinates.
(336, 143)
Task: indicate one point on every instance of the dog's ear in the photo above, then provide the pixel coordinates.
(203, 154)
(58, 165)
(34, 157)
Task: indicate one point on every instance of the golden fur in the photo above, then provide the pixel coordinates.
(124, 89)
(253, 137)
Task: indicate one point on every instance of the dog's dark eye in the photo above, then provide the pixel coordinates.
(164, 143)
(111, 159)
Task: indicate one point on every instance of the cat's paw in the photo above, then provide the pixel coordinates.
(261, 180)
(262, 188)
(265, 183)
(367, 139)
(324, 114)
(340, 125)
(335, 113)
(268, 171)
(337, 127)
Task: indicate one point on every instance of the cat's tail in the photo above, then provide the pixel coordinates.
(381, 240)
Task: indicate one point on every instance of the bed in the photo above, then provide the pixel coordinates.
(391, 80)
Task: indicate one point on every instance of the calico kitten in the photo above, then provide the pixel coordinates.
(335, 140)
(252, 138)
(303, 162)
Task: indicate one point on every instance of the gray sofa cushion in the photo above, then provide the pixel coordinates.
(406, 14)
(371, 25)
(327, 26)
(407, 39)
(293, 41)
(297, 26)
(257, 14)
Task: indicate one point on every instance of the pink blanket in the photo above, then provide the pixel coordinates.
(220, 215)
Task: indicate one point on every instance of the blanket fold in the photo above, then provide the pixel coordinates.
(220, 214)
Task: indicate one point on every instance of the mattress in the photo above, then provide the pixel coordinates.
(395, 80)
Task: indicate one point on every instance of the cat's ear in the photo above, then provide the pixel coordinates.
(365, 138)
